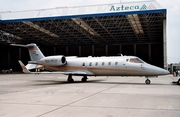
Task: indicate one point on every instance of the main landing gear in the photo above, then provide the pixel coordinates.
(84, 79)
(148, 81)
(71, 80)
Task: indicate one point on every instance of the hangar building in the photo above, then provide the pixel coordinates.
(137, 28)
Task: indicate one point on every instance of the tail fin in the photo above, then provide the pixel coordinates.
(25, 70)
(34, 52)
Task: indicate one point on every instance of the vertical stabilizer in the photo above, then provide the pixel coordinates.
(34, 52)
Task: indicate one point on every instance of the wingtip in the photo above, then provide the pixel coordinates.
(25, 70)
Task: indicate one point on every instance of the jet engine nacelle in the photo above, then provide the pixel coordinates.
(53, 61)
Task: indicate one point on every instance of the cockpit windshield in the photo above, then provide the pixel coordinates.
(135, 60)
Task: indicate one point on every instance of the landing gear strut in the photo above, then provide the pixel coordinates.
(84, 79)
(70, 79)
(148, 81)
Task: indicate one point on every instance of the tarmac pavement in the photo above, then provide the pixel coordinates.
(49, 95)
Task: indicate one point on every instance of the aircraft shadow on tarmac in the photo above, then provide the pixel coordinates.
(55, 82)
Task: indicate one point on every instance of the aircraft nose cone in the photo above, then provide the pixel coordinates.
(157, 70)
(165, 72)
(162, 71)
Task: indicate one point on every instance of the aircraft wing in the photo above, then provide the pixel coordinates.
(25, 70)
(65, 73)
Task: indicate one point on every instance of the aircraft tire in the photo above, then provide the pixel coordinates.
(178, 82)
(70, 79)
(148, 81)
(84, 79)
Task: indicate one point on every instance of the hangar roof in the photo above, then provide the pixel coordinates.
(120, 23)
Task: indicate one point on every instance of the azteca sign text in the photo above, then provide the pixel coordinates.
(126, 8)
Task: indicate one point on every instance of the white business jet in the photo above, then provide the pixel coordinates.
(89, 66)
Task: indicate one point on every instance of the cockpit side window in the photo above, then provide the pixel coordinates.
(135, 60)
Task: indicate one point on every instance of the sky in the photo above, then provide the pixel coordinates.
(173, 16)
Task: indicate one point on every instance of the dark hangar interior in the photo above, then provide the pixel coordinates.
(139, 33)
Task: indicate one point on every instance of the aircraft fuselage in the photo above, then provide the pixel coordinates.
(109, 66)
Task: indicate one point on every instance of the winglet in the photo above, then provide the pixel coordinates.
(25, 70)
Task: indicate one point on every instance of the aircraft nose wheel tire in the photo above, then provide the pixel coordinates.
(148, 82)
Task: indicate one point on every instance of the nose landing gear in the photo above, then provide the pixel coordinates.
(178, 82)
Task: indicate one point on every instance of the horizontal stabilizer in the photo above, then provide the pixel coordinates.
(20, 45)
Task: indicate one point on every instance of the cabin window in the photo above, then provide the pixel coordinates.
(102, 63)
(116, 63)
(135, 60)
(90, 64)
(83, 64)
(96, 63)
(109, 63)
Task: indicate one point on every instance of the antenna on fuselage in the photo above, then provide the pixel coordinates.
(120, 54)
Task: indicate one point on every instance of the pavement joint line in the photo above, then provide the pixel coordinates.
(93, 107)
(31, 104)
(127, 108)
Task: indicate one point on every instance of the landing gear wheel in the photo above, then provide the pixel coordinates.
(148, 81)
(70, 79)
(84, 79)
(178, 82)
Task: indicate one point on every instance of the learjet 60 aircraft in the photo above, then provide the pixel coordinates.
(89, 66)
